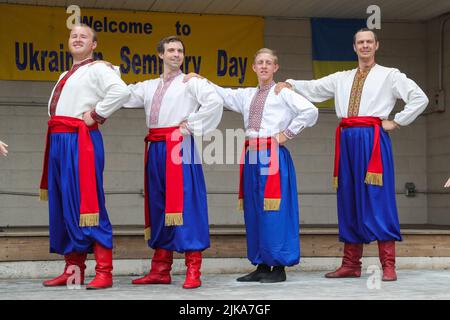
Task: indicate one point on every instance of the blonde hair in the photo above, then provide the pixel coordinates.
(84, 25)
(269, 51)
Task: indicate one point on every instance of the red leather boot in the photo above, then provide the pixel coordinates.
(103, 268)
(72, 259)
(386, 251)
(351, 262)
(193, 261)
(160, 270)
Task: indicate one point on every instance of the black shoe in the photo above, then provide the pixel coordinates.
(277, 275)
(261, 271)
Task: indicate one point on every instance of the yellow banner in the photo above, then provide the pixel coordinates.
(221, 48)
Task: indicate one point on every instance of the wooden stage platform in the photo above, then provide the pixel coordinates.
(31, 244)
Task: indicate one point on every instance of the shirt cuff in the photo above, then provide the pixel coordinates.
(97, 118)
(289, 134)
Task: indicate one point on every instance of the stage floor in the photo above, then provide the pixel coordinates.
(411, 285)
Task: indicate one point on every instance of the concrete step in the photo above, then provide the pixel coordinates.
(138, 267)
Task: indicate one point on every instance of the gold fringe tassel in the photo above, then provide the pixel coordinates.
(271, 204)
(174, 219)
(89, 219)
(241, 204)
(147, 234)
(335, 182)
(43, 194)
(374, 178)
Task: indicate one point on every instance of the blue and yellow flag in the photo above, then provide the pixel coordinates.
(332, 47)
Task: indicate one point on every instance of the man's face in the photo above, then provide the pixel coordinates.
(365, 45)
(81, 42)
(265, 66)
(173, 55)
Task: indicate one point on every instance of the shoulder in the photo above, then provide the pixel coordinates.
(386, 70)
(345, 73)
(250, 91)
(340, 74)
(196, 83)
(141, 83)
(383, 68)
(287, 95)
(285, 92)
(192, 81)
(103, 71)
(97, 66)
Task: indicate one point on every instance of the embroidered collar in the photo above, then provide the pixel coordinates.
(171, 75)
(266, 87)
(368, 69)
(82, 63)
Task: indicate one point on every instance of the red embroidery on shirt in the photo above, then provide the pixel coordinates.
(159, 95)
(257, 107)
(61, 83)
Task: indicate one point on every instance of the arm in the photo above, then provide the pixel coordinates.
(231, 97)
(306, 112)
(137, 95)
(208, 116)
(114, 91)
(415, 99)
(447, 184)
(3, 150)
(316, 90)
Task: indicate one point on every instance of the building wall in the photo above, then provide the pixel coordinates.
(438, 124)
(23, 121)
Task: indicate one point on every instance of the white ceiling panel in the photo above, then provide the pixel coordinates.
(407, 10)
(167, 5)
(106, 4)
(82, 3)
(272, 8)
(194, 6)
(221, 6)
(251, 7)
(52, 2)
(139, 5)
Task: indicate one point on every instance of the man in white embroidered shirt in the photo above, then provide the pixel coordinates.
(268, 187)
(175, 193)
(363, 167)
(84, 96)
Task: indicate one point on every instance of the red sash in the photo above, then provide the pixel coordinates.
(272, 190)
(174, 176)
(89, 210)
(374, 173)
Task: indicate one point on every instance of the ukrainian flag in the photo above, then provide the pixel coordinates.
(332, 47)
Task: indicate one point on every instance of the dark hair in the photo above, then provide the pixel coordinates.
(162, 42)
(364, 30)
